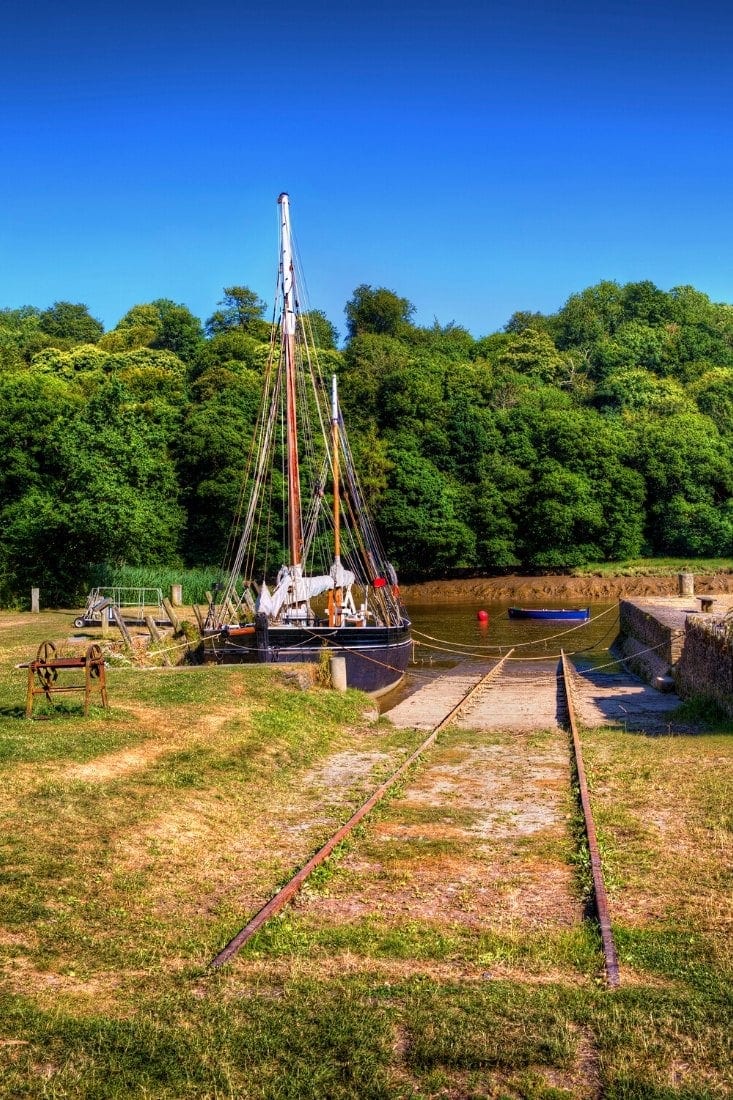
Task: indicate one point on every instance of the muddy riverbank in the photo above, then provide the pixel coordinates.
(593, 588)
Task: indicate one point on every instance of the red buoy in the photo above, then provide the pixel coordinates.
(482, 616)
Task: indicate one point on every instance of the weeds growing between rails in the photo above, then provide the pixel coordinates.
(135, 842)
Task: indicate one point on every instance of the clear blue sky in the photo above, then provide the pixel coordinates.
(476, 159)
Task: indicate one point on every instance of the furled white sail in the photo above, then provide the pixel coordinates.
(293, 589)
(342, 578)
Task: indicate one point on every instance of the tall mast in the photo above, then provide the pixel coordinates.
(336, 595)
(336, 472)
(295, 523)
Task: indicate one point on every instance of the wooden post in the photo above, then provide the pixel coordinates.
(338, 673)
(122, 626)
(686, 584)
(199, 617)
(35, 600)
(105, 622)
(29, 694)
(168, 608)
(152, 628)
(177, 595)
(156, 636)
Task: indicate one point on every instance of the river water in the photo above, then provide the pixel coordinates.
(446, 633)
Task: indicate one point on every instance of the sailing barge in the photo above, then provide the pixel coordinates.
(335, 593)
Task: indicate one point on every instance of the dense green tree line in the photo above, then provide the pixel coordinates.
(602, 431)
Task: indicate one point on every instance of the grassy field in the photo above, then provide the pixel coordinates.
(649, 567)
(135, 842)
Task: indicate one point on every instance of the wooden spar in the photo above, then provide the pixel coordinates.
(295, 524)
(336, 473)
(334, 604)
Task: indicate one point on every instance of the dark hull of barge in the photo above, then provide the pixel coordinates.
(376, 656)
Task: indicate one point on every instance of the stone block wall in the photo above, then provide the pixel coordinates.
(705, 667)
(664, 641)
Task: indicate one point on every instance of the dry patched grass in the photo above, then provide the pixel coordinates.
(116, 764)
(664, 806)
(480, 837)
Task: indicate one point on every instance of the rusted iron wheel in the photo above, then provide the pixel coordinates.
(46, 676)
(46, 651)
(94, 659)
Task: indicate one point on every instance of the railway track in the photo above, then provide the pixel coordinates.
(468, 700)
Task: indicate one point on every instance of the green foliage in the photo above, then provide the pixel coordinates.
(424, 532)
(211, 455)
(70, 321)
(95, 483)
(636, 389)
(714, 395)
(697, 527)
(377, 310)
(21, 336)
(196, 582)
(325, 335)
(532, 351)
(160, 324)
(602, 431)
(239, 310)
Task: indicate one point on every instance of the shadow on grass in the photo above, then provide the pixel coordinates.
(46, 711)
(12, 712)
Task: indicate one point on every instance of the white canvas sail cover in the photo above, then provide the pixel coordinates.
(293, 588)
(342, 578)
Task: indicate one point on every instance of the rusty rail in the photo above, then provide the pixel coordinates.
(599, 887)
(283, 896)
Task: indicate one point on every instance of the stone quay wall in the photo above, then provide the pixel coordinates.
(665, 642)
(705, 667)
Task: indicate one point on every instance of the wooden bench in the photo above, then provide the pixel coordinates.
(44, 670)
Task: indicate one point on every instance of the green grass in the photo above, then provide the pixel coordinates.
(117, 886)
(369, 1038)
(196, 581)
(651, 566)
(290, 936)
(704, 712)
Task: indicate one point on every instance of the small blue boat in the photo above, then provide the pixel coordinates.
(578, 614)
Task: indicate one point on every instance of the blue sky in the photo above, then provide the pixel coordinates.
(477, 159)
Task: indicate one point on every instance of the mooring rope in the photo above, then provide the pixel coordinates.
(516, 645)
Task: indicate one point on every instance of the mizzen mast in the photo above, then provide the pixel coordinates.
(288, 322)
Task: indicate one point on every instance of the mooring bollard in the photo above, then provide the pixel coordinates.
(35, 600)
(338, 673)
(686, 584)
(177, 595)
